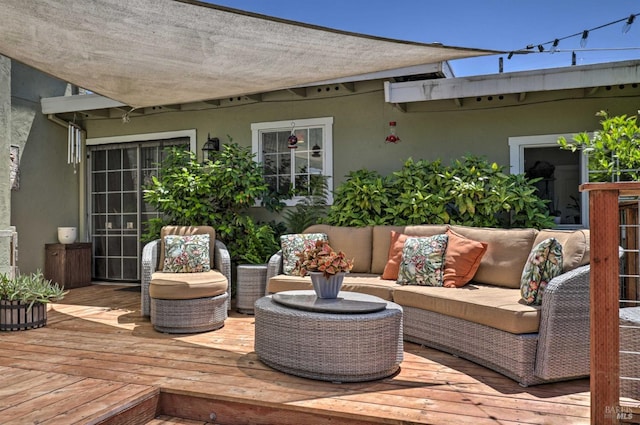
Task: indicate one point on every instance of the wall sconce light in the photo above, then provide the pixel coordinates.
(392, 138)
(211, 146)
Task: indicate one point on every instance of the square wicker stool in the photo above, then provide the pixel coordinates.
(630, 352)
(252, 283)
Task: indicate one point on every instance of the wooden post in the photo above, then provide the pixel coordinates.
(605, 345)
(604, 310)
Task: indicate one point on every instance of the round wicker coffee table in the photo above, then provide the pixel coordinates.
(355, 338)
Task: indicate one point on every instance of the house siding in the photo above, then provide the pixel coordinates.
(445, 130)
(48, 193)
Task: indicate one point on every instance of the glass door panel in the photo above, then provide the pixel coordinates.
(119, 214)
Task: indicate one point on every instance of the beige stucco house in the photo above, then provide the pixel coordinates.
(513, 119)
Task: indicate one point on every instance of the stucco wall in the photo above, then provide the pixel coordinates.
(48, 192)
(428, 130)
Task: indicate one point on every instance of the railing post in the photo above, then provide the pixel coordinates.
(605, 345)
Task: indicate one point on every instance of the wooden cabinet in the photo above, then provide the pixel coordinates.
(68, 265)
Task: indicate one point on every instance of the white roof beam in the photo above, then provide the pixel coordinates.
(574, 77)
(77, 103)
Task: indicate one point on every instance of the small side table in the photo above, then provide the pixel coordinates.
(68, 265)
(252, 283)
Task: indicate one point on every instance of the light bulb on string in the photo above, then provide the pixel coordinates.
(627, 25)
(583, 40)
(554, 46)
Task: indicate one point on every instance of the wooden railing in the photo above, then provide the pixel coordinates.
(604, 222)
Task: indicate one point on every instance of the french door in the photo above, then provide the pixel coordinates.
(118, 213)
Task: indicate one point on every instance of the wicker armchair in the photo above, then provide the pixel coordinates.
(184, 313)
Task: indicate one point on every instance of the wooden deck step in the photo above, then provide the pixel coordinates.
(171, 420)
(29, 396)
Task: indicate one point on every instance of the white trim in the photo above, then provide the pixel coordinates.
(191, 134)
(517, 146)
(77, 103)
(327, 151)
(574, 77)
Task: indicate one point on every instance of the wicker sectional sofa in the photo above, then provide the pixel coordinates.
(486, 320)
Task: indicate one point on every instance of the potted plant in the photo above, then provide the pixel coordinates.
(326, 268)
(23, 301)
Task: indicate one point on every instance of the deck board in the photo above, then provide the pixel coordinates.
(97, 354)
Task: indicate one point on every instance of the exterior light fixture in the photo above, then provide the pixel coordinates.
(211, 146)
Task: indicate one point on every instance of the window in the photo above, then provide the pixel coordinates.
(561, 173)
(284, 167)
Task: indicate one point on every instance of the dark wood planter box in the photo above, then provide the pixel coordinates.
(17, 316)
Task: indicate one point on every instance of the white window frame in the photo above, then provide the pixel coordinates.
(191, 134)
(327, 148)
(518, 144)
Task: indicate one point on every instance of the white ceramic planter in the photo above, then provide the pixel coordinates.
(67, 234)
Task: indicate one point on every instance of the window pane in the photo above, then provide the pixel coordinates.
(99, 182)
(270, 164)
(284, 183)
(129, 180)
(114, 159)
(99, 160)
(302, 163)
(114, 180)
(269, 143)
(129, 159)
(302, 185)
(283, 141)
(284, 164)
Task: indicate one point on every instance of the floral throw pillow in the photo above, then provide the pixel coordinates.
(423, 261)
(544, 263)
(292, 245)
(186, 254)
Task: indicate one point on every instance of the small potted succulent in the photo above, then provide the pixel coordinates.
(326, 268)
(23, 300)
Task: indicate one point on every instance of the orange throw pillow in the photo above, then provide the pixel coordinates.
(392, 268)
(461, 259)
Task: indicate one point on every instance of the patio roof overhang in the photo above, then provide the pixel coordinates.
(164, 52)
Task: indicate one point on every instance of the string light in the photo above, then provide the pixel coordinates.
(627, 25)
(583, 40)
(628, 21)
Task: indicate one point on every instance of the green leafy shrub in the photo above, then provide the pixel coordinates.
(311, 209)
(215, 192)
(613, 152)
(360, 201)
(469, 192)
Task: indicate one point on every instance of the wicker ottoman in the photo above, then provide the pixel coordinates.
(337, 347)
(188, 302)
(252, 282)
(629, 352)
(189, 316)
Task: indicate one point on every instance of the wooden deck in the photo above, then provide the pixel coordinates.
(99, 361)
